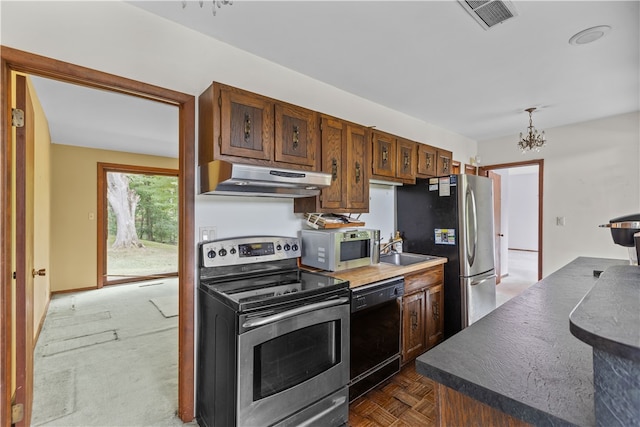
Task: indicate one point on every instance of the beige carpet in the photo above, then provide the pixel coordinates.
(108, 357)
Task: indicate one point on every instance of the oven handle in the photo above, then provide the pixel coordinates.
(260, 321)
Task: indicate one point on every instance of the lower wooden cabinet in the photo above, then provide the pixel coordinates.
(434, 315)
(413, 326)
(422, 312)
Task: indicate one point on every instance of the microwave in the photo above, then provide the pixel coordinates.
(340, 249)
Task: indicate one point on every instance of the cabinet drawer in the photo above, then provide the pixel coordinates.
(416, 281)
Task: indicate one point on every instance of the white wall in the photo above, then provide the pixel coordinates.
(124, 40)
(523, 212)
(591, 175)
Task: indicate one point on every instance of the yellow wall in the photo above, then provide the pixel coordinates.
(42, 211)
(74, 193)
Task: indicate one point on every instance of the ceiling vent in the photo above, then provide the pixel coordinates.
(491, 12)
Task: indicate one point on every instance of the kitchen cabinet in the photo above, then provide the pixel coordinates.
(434, 315)
(444, 163)
(384, 155)
(245, 127)
(422, 314)
(427, 159)
(394, 158)
(345, 155)
(413, 326)
(406, 160)
(433, 161)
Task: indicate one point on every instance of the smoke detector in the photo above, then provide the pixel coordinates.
(489, 12)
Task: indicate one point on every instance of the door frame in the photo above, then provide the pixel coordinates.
(102, 223)
(540, 162)
(25, 62)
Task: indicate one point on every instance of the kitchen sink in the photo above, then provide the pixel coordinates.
(405, 258)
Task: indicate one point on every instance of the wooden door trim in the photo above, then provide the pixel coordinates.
(102, 222)
(540, 162)
(20, 61)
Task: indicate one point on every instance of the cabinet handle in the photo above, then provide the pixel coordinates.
(435, 309)
(414, 320)
(296, 137)
(385, 155)
(334, 169)
(357, 172)
(445, 165)
(428, 161)
(247, 127)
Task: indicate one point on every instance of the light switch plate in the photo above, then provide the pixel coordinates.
(208, 233)
(560, 221)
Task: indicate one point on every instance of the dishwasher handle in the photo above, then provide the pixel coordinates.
(261, 321)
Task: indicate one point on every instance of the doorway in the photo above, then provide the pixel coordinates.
(520, 221)
(14, 60)
(137, 223)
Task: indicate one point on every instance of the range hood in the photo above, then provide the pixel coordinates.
(225, 178)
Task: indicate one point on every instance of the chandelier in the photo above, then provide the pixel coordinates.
(533, 141)
(214, 4)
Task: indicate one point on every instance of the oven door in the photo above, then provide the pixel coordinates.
(292, 360)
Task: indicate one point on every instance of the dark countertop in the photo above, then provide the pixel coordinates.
(608, 318)
(521, 358)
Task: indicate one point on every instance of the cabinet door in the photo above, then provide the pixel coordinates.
(246, 125)
(427, 160)
(384, 154)
(413, 328)
(295, 135)
(444, 162)
(333, 135)
(435, 315)
(406, 160)
(356, 170)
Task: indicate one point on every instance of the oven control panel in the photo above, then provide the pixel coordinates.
(248, 250)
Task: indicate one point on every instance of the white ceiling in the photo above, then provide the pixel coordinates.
(428, 59)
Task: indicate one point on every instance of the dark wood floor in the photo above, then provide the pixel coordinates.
(407, 399)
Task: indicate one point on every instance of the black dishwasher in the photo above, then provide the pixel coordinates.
(375, 334)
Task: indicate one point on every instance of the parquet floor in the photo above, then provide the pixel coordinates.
(405, 400)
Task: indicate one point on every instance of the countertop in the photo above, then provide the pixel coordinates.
(521, 358)
(608, 317)
(374, 273)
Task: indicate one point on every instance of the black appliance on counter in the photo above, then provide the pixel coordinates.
(375, 334)
(273, 340)
(625, 231)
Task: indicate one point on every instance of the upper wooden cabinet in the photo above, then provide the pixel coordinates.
(406, 160)
(345, 155)
(394, 158)
(237, 125)
(384, 154)
(427, 160)
(444, 164)
(296, 135)
(433, 161)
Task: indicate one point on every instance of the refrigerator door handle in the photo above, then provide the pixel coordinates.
(492, 277)
(472, 226)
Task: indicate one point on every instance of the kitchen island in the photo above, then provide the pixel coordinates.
(520, 364)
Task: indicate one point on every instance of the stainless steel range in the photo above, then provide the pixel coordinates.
(273, 340)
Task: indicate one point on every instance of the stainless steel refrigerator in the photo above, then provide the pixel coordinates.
(452, 216)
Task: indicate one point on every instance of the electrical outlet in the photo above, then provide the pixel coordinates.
(208, 233)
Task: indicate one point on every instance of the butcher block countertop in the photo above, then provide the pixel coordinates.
(521, 358)
(374, 273)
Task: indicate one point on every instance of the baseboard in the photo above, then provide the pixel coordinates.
(41, 322)
(66, 291)
(522, 250)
